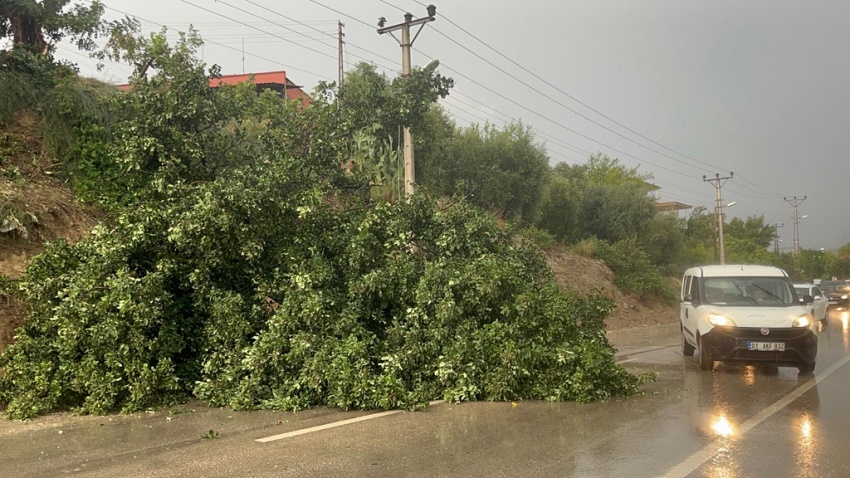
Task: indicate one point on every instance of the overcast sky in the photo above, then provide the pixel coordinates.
(755, 87)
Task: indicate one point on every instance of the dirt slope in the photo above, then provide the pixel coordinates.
(35, 207)
(583, 275)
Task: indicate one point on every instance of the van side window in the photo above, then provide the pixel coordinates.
(816, 292)
(686, 286)
(695, 289)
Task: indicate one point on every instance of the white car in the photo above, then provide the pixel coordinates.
(818, 308)
(745, 314)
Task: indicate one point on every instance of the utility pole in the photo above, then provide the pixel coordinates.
(341, 44)
(776, 237)
(718, 183)
(796, 203)
(406, 43)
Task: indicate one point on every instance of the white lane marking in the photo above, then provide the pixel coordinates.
(696, 460)
(326, 426)
(340, 423)
(626, 361)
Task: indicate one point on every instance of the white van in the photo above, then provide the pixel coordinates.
(747, 314)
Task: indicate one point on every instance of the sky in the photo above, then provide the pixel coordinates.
(678, 88)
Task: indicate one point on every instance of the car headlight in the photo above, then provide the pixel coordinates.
(720, 320)
(802, 321)
(844, 296)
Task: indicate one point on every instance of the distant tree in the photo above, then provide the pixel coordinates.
(700, 246)
(614, 213)
(37, 25)
(745, 251)
(603, 170)
(752, 229)
(560, 209)
(663, 239)
(500, 169)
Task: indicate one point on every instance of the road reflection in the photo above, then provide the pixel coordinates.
(807, 448)
(722, 427)
(723, 402)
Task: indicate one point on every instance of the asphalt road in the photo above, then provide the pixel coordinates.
(731, 422)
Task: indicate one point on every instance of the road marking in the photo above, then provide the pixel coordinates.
(621, 362)
(696, 460)
(340, 423)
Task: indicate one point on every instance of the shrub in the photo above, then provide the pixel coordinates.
(632, 269)
(249, 293)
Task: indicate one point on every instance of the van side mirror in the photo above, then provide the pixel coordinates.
(808, 299)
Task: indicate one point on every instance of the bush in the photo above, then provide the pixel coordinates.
(249, 293)
(632, 269)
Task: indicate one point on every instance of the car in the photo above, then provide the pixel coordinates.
(819, 308)
(837, 293)
(746, 314)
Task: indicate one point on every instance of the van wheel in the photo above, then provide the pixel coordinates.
(687, 349)
(705, 363)
(806, 368)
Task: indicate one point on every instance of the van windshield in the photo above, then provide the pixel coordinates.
(749, 291)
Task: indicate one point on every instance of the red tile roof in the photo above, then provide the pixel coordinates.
(277, 80)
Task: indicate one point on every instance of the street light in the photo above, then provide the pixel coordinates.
(432, 65)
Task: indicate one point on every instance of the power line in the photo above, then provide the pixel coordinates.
(581, 102)
(320, 31)
(535, 75)
(254, 27)
(275, 62)
(343, 14)
(538, 114)
(555, 122)
(551, 138)
(532, 88)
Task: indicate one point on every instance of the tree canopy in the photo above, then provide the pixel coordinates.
(37, 25)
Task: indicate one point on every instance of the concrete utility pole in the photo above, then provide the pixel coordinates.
(406, 43)
(776, 237)
(796, 203)
(341, 44)
(718, 183)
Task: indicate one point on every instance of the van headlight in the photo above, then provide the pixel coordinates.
(802, 321)
(844, 296)
(718, 320)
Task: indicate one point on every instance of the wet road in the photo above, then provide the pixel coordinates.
(732, 422)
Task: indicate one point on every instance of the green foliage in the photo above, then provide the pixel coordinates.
(25, 77)
(31, 23)
(501, 170)
(368, 99)
(251, 269)
(539, 237)
(560, 208)
(663, 240)
(613, 213)
(752, 230)
(633, 270)
(602, 170)
(250, 293)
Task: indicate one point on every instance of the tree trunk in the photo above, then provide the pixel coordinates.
(26, 30)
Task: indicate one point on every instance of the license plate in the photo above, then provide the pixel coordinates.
(766, 346)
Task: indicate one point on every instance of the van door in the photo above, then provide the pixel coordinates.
(690, 300)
